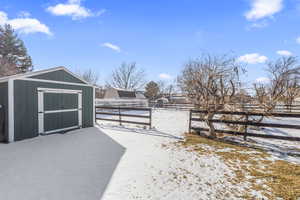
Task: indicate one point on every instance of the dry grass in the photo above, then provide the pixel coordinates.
(274, 179)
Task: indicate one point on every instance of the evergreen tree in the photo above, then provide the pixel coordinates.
(13, 50)
(152, 90)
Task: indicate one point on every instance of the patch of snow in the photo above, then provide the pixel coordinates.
(154, 167)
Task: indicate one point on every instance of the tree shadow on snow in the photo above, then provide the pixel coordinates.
(282, 149)
(150, 132)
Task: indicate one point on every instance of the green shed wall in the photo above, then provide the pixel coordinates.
(26, 106)
(59, 75)
(4, 102)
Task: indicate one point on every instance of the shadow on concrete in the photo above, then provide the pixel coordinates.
(150, 132)
(77, 165)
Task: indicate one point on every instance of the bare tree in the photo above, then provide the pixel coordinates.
(283, 86)
(162, 88)
(7, 68)
(292, 92)
(166, 89)
(90, 76)
(211, 82)
(128, 76)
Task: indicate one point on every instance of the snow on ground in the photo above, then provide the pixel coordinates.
(154, 167)
(279, 148)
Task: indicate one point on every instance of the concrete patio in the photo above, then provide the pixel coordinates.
(77, 165)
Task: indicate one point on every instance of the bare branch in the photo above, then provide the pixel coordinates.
(211, 82)
(128, 76)
(90, 76)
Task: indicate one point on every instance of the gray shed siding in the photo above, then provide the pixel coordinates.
(4, 102)
(59, 75)
(26, 106)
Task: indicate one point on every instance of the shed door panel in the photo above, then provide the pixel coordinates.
(60, 120)
(57, 101)
(52, 121)
(69, 119)
(69, 101)
(59, 110)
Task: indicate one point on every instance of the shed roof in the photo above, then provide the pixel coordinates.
(30, 74)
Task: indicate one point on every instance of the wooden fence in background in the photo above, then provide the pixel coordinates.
(122, 112)
(246, 123)
(279, 108)
(294, 108)
(122, 102)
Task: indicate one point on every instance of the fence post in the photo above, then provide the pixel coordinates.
(150, 117)
(190, 121)
(246, 127)
(95, 115)
(120, 118)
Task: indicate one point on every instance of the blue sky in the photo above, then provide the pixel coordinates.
(159, 35)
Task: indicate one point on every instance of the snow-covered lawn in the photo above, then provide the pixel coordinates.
(157, 166)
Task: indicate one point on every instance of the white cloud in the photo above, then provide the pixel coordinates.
(297, 40)
(252, 58)
(284, 53)
(25, 25)
(262, 80)
(165, 76)
(74, 9)
(263, 8)
(112, 46)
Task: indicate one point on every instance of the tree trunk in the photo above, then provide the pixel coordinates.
(212, 131)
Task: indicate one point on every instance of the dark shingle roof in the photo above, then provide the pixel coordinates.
(126, 94)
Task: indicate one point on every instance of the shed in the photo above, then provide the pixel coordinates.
(44, 102)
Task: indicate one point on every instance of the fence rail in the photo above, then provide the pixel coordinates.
(294, 108)
(119, 111)
(245, 123)
(177, 106)
(122, 102)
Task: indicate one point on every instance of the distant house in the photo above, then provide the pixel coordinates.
(99, 92)
(179, 99)
(116, 93)
(121, 97)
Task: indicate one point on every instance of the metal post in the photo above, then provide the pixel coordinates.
(120, 118)
(190, 121)
(246, 127)
(95, 115)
